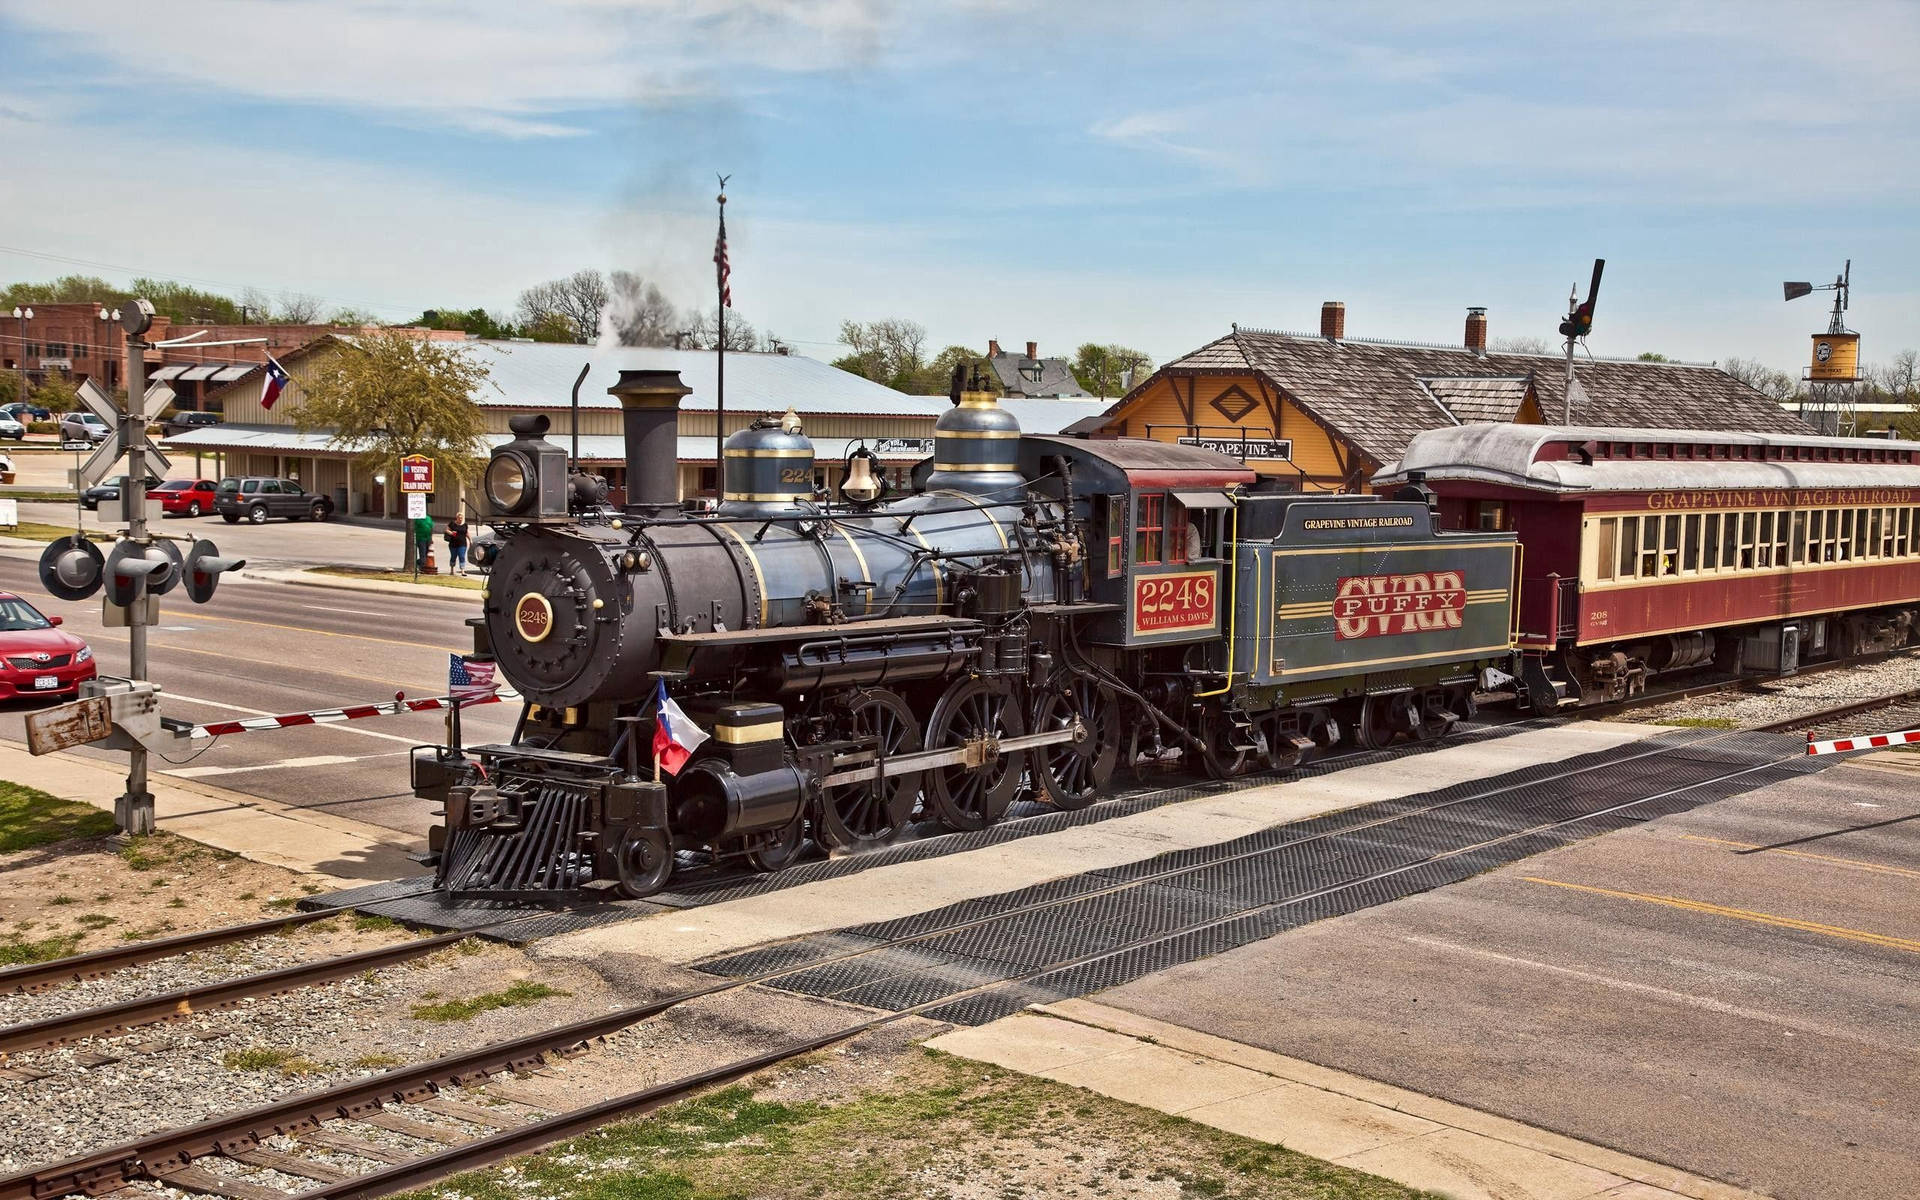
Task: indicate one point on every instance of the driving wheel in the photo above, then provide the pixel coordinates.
(1073, 774)
(645, 863)
(776, 849)
(868, 813)
(965, 798)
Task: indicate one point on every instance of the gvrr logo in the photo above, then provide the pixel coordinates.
(1367, 606)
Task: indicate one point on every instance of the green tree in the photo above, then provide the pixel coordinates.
(9, 387)
(68, 289)
(1109, 370)
(1651, 356)
(476, 321)
(353, 318)
(891, 350)
(388, 394)
(57, 394)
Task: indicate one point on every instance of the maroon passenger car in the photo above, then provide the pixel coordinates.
(1648, 550)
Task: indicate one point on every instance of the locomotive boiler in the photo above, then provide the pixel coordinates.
(1032, 615)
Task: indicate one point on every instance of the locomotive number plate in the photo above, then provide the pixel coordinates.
(533, 617)
(1169, 603)
(1367, 606)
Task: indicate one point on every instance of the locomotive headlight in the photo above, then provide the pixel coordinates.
(507, 483)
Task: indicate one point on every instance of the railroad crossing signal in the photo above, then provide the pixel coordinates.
(109, 452)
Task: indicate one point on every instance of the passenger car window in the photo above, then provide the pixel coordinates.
(250, 485)
(291, 487)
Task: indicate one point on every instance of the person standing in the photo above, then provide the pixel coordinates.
(457, 544)
(422, 541)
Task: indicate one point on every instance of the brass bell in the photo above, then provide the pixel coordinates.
(860, 486)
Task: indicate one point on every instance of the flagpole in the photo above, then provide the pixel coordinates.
(720, 360)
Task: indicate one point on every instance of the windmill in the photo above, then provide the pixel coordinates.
(1833, 375)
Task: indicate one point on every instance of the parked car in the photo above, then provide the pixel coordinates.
(83, 427)
(36, 657)
(184, 497)
(256, 498)
(11, 428)
(181, 422)
(109, 489)
(24, 411)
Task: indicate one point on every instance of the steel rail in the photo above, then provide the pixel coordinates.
(174, 1150)
(38, 977)
(491, 1148)
(1839, 712)
(185, 1002)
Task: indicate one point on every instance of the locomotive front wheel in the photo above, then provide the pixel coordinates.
(861, 816)
(645, 861)
(970, 798)
(779, 847)
(1074, 774)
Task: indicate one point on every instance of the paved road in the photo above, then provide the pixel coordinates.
(264, 647)
(277, 544)
(1734, 990)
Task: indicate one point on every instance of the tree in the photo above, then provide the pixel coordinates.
(579, 298)
(638, 313)
(476, 321)
(1775, 385)
(703, 332)
(1109, 370)
(57, 394)
(1520, 345)
(9, 387)
(296, 308)
(1650, 356)
(353, 318)
(389, 394)
(68, 289)
(890, 351)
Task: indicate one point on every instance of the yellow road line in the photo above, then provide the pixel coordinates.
(1887, 941)
(1825, 858)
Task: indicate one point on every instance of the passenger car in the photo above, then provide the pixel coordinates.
(11, 428)
(109, 489)
(37, 658)
(24, 411)
(184, 497)
(83, 427)
(181, 422)
(256, 498)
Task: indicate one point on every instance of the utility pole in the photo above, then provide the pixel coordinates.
(133, 811)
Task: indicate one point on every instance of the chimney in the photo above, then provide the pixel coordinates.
(993, 348)
(1477, 331)
(650, 421)
(1333, 320)
(1033, 349)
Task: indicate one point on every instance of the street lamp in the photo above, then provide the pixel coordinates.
(107, 316)
(20, 318)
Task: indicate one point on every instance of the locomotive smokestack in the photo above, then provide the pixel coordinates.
(650, 412)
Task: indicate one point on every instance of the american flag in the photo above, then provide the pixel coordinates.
(723, 273)
(469, 681)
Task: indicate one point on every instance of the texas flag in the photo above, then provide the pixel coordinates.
(676, 737)
(277, 379)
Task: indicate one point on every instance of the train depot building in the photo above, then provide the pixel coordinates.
(838, 410)
(1327, 412)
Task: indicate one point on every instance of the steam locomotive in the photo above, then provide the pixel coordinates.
(1033, 615)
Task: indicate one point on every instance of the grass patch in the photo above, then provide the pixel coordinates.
(98, 920)
(30, 817)
(40, 532)
(1700, 722)
(283, 903)
(942, 1127)
(372, 922)
(64, 900)
(463, 582)
(372, 1062)
(519, 995)
(269, 1058)
(140, 854)
(16, 951)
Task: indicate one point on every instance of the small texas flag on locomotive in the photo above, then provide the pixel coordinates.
(676, 737)
(277, 379)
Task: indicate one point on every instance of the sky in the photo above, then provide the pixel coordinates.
(1148, 174)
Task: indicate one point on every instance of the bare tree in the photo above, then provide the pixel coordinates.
(1520, 345)
(580, 298)
(1775, 385)
(638, 313)
(890, 351)
(1898, 379)
(256, 306)
(297, 308)
(702, 332)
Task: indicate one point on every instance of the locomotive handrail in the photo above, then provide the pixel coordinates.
(1233, 602)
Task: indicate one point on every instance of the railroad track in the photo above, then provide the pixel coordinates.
(38, 977)
(1743, 683)
(1902, 710)
(323, 1118)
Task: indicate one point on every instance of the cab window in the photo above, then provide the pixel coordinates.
(1149, 529)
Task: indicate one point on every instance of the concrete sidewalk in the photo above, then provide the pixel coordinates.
(299, 839)
(310, 577)
(1345, 1119)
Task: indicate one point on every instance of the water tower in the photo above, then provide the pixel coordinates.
(1833, 373)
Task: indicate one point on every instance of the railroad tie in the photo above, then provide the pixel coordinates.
(472, 1114)
(346, 1143)
(289, 1164)
(419, 1129)
(199, 1179)
(505, 1090)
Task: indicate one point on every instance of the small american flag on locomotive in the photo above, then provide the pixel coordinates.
(468, 681)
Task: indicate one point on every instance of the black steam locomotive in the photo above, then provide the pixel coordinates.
(1036, 613)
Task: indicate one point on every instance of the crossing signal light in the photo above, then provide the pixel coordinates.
(71, 568)
(134, 570)
(204, 568)
(1579, 322)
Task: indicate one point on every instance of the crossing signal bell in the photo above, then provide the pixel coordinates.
(1579, 322)
(203, 570)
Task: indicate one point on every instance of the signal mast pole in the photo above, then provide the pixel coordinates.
(133, 811)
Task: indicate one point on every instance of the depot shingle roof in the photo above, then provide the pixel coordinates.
(1378, 395)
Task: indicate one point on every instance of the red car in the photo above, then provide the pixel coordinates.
(184, 497)
(36, 658)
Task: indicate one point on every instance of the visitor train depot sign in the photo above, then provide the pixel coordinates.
(416, 473)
